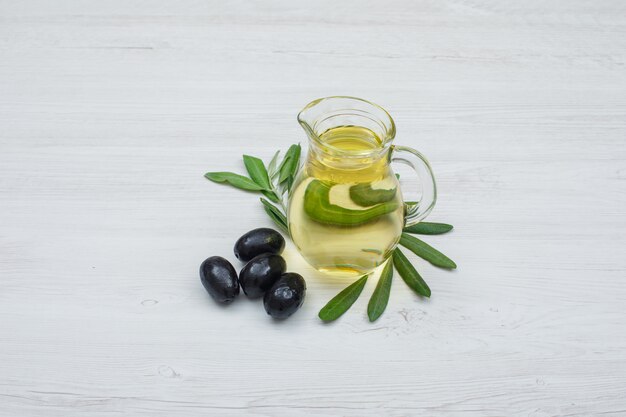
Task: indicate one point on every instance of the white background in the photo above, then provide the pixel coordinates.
(111, 112)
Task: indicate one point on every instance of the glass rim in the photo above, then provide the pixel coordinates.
(386, 121)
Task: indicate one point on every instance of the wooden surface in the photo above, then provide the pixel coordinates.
(111, 112)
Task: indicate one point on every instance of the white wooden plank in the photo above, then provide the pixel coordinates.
(110, 112)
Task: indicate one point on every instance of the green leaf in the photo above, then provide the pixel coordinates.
(318, 207)
(235, 180)
(271, 168)
(290, 164)
(256, 170)
(281, 167)
(290, 181)
(365, 196)
(424, 250)
(295, 161)
(380, 297)
(271, 195)
(276, 219)
(342, 301)
(426, 228)
(409, 274)
(276, 215)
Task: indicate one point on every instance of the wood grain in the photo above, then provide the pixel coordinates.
(110, 113)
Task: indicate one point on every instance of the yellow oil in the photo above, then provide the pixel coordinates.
(346, 212)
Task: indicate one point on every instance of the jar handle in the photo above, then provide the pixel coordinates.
(416, 212)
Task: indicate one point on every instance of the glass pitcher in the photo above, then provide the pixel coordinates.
(346, 211)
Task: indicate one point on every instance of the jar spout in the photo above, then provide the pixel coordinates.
(307, 119)
(324, 114)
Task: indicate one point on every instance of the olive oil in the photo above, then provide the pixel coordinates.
(346, 212)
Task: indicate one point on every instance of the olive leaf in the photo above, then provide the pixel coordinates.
(290, 163)
(380, 297)
(256, 170)
(271, 195)
(427, 228)
(318, 207)
(290, 181)
(342, 301)
(236, 180)
(365, 196)
(424, 250)
(295, 162)
(409, 274)
(283, 169)
(271, 168)
(285, 158)
(276, 215)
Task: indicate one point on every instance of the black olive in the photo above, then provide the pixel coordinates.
(257, 242)
(286, 296)
(219, 279)
(260, 273)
